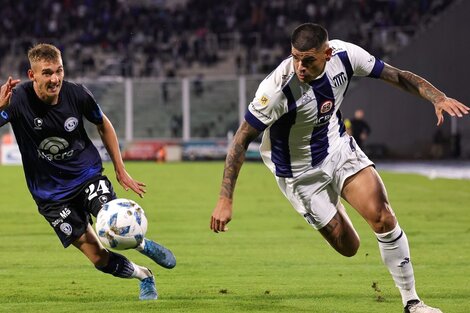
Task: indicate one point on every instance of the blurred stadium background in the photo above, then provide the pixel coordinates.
(175, 76)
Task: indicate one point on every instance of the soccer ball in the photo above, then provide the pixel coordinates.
(121, 224)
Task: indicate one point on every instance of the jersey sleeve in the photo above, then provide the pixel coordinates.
(91, 109)
(363, 63)
(268, 105)
(5, 116)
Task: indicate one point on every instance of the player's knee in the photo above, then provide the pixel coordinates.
(351, 248)
(343, 238)
(347, 244)
(349, 252)
(383, 220)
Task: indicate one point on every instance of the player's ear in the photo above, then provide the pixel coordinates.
(328, 53)
(30, 74)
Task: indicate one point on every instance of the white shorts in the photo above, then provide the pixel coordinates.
(315, 193)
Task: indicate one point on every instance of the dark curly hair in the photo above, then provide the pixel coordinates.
(308, 36)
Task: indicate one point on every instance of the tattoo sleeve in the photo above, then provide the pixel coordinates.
(235, 158)
(412, 83)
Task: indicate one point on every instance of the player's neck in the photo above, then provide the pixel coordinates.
(50, 100)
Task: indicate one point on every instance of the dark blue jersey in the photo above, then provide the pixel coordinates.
(57, 154)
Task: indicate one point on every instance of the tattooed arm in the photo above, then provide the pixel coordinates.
(419, 86)
(235, 157)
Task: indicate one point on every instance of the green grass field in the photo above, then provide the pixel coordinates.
(269, 261)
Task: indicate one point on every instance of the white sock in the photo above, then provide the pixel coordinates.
(395, 252)
(140, 272)
(141, 246)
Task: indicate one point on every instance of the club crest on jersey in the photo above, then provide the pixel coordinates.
(326, 106)
(66, 228)
(38, 123)
(70, 124)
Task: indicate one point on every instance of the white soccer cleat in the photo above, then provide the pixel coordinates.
(416, 306)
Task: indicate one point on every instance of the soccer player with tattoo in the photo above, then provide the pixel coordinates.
(315, 161)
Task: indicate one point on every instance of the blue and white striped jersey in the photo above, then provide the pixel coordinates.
(302, 123)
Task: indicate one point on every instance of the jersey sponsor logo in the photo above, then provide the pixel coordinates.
(57, 222)
(66, 228)
(318, 121)
(70, 124)
(326, 106)
(38, 123)
(63, 214)
(54, 148)
(4, 114)
(339, 79)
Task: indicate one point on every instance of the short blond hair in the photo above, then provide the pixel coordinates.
(44, 52)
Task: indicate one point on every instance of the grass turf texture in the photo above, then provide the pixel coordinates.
(269, 261)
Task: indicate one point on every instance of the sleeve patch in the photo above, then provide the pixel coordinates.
(264, 100)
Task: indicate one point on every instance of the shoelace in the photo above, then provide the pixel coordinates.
(147, 285)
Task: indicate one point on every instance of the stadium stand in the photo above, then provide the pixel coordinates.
(157, 45)
(166, 38)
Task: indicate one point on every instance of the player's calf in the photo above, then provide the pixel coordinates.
(118, 266)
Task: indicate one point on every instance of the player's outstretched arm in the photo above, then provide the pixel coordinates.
(419, 86)
(110, 141)
(6, 90)
(222, 213)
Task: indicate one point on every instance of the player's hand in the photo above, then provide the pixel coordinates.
(451, 106)
(127, 182)
(222, 215)
(6, 90)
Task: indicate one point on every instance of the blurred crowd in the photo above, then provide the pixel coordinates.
(162, 38)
